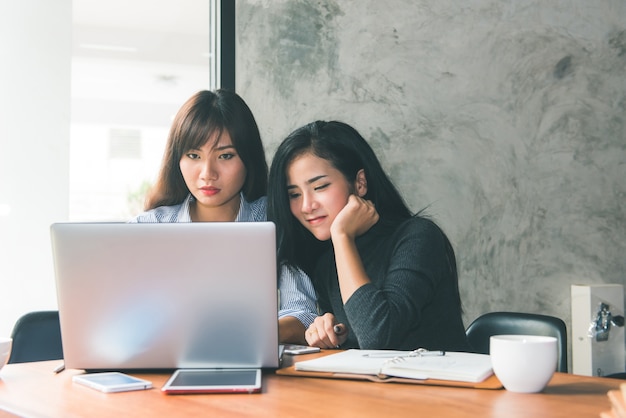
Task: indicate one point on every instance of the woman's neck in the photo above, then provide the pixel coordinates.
(225, 213)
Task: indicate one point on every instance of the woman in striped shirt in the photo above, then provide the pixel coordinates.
(214, 170)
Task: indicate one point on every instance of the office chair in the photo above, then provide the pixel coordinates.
(36, 337)
(498, 323)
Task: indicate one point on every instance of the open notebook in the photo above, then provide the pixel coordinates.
(442, 368)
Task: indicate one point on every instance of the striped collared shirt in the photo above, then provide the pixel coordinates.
(248, 212)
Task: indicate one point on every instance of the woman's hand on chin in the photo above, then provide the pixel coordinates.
(355, 219)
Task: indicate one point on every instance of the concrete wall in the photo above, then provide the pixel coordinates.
(506, 118)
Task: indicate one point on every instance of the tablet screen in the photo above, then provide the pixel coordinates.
(214, 380)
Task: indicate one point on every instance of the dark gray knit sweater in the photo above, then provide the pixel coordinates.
(412, 300)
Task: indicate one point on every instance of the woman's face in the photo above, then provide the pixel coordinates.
(214, 174)
(317, 193)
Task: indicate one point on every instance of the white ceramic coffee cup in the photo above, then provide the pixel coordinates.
(523, 363)
(5, 350)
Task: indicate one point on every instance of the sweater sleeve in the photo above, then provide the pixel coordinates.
(403, 281)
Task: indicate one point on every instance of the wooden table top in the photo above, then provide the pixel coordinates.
(32, 389)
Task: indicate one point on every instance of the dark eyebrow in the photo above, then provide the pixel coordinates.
(216, 148)
(309, 181)
(222, 148)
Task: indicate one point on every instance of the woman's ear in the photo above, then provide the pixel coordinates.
(361, 183)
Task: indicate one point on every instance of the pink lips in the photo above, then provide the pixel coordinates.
(209, 191)
(317, 220)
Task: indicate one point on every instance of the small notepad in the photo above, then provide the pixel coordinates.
(453, 366)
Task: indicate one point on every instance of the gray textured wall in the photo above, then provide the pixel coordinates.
(505, 118)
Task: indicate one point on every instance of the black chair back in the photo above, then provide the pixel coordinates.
(498, 323)
(37, 337)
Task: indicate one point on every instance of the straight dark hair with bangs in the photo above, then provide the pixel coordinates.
(347, 151)
(203, 115)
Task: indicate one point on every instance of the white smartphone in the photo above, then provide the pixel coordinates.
(294, 349)
(213, 381)
(112, 382)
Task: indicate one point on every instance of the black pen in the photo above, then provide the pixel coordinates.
(339, 329)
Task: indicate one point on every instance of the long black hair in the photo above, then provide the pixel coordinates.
(347, 151)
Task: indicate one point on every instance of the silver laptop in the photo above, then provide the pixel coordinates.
(167, 296)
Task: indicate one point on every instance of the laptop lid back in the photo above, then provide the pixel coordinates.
(167, 296)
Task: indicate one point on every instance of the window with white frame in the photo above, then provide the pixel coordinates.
(134, 63)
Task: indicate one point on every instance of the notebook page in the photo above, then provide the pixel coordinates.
(457, 366)
(349, 361)
(454, 366)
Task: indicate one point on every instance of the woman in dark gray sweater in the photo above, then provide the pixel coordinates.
(385, 278)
